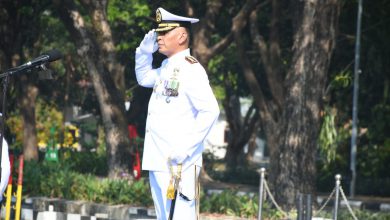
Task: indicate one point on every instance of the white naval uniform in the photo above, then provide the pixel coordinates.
(175, 123)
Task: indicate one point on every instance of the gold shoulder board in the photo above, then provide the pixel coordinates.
(191, 59)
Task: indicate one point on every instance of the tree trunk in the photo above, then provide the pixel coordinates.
(232, 156)
(233, 116)
(29, 93)
(293, 165)
(240, 129)
(290, 118)
(96, 48)
(252, 145)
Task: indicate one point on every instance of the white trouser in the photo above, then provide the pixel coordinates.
(184, 209)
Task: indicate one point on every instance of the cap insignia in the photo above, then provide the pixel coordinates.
(158, 16)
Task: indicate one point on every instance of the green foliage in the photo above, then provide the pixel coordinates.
(213, 67)
(239, 175)
(360, 214)
(116, 192)
(342, 79)
(15, 124)
(47, 117)
(101, 143)
(328, 136)
(331, 134)
(215, 64)
(49, 178)
(85, 162)
(129, 18)
(373, 154)
(229, 203)
(373, 145)
(127, 10)
(60, 181)
(224, 75)
(379, 127)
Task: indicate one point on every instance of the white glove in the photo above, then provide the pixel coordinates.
(149, 44)
(178, 157)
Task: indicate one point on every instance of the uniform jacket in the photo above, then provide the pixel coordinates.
(182, 109)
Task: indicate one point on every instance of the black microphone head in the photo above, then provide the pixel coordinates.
(53, 55)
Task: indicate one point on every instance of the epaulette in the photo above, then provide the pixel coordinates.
(191, 59)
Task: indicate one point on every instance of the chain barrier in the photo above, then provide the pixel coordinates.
(285, 214)
(326, 202)
(346, 201)
(273, 199)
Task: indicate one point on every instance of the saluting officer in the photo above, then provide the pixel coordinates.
(181, 112)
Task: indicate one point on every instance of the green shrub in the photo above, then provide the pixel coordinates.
(58, 180)
(360, 214)
(228, 202)
(47, 178)
(84, 162)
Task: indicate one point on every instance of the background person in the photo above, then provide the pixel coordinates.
(5, 167)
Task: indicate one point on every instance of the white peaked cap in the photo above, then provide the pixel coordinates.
(168, 21)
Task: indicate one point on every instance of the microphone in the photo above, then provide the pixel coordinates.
(40, 61)
(49, 56)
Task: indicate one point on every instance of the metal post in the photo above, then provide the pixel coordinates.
(300, 206)
(336, 201)
(308, 211)
(355, 101)
(261, 190)
(18, 207)
(9, 190)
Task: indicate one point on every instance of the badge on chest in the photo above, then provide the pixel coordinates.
(168, 87)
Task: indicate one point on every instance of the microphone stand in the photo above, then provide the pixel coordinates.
(52, 56)
(2, 118)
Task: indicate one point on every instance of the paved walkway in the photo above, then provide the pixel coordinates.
(204, 216)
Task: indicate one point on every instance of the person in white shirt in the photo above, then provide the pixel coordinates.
(182, 109)
(5, 167)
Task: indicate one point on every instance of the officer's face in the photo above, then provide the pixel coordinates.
(171, 42)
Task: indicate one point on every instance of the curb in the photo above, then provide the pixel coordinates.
(42, 208)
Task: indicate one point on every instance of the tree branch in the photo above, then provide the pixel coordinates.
(239, 22)
(221, 45)
(270, 55)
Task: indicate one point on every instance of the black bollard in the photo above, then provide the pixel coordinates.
(300, 207)
(308, 209)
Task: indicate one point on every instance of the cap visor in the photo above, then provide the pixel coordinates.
(161, 29)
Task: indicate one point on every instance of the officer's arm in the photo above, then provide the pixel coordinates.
(143, 60)
(145, 74)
